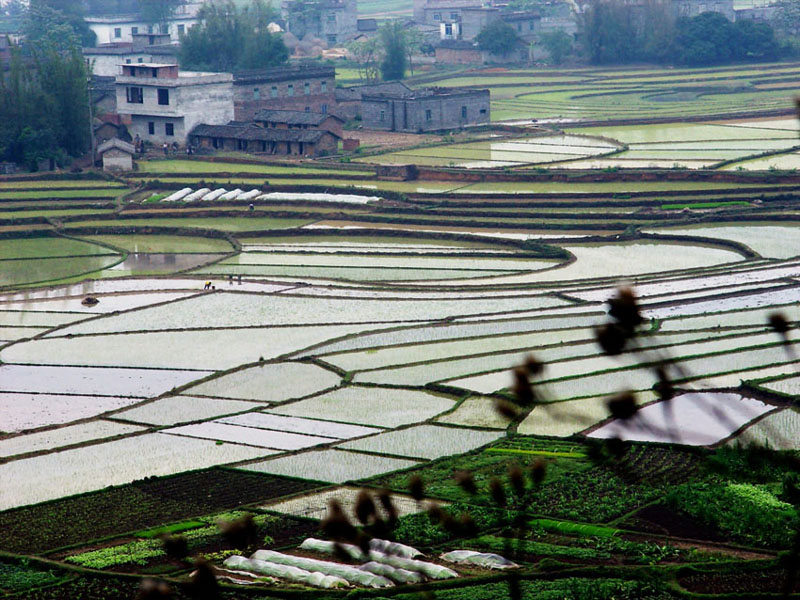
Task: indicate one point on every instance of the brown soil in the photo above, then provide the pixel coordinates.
(391, 139)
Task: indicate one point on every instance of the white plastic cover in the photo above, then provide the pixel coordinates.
(179, 195)
(398, 575)
(214, 195)
(286, 572)
(196, 195)
(232, 195)
(346, 572)
(482, 559)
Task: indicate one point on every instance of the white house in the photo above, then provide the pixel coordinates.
(161, 104)
(121, 28)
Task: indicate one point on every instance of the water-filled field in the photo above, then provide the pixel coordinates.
(215, 372)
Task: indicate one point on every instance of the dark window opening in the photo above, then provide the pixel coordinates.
(163, 96)
(151, 128)
(134, 95)
(169, 129)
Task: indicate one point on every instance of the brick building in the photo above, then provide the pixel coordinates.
(247, 137)
(298, 87)
(161, 104)
(293, 119)
(432, 109)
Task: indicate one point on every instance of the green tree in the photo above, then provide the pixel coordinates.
(498, 37)
(366, 53)
(44, 103)
(707, 39)
(47, 19)
(558, 45)
(229, 38)
(608, 33)
(394, 62)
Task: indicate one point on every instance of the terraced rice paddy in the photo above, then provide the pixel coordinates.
(279, 363)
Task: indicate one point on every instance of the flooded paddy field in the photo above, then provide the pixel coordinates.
(265, 362)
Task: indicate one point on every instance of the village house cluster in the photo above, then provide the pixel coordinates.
(143, 97)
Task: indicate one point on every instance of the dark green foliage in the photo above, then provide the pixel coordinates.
(498, 38)
(158, 12)
(609, 33)
(749, 513)
(44, 102)
(146, 503)
(22, 576)
(572, 588)
(394, 62)
(615, 32)
(55, 20)
(231, 38)
(558, 45)
(421, 530)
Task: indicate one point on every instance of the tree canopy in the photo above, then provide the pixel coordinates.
(395, 59)
(498, 38)
(614, 32)
(229, 38)
(57, 21)
(45, 106)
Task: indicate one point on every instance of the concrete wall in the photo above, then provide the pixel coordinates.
(692, 8)
(427, 113)
(108, 65)
(106, 29)
(327, 144)
(117, 160)
(192, 100)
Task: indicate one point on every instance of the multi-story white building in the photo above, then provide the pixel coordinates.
(114, 29)
(161, 104)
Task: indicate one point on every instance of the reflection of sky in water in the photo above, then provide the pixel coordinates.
(93, 381)
(166, 263)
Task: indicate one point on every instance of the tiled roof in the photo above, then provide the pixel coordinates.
(253, 132)
(293, 117)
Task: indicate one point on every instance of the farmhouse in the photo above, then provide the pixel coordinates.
(297, 87)
(160, 104)
(110, 29)
(293, 119)
(248, 137)
(431, 109)
(333, 21)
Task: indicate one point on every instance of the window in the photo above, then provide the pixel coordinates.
(324, 109)
(463, 112)
(483, 112)
(149, 29)
(308, 109)
(323, 87)
(256, 93)
(140, 60)
(306, 88)
(383, 116)
(274, 91)
(428, 115)
(332, 19)
(290, 90)
(448, 29)
(151, 128)
(331, 39)
(117, 32)
(519, 26)
(454, 16)
(437, 16)
(530, 25)
(181, 29)
(163, 96)
(169, 129)
(134, 95)
(127, 61)
(134, 30)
